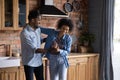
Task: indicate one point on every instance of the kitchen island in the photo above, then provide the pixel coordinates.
(83, 66)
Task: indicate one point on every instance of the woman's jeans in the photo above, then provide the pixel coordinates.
(29, 71)
(58, 70)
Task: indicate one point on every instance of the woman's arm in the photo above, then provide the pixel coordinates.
(66, 51)
(47, 30)
(55, 49)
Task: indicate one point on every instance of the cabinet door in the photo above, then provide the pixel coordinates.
(23, 8)
(14, 14)
(9, 14)
(1, 74)
(81, 71)
(71, 75)
(9, 74)
(93, 68)
(77, 69)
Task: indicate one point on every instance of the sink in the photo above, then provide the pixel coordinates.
(9, 62)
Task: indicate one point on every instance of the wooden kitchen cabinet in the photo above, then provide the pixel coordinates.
(83, 67)
(9, 73)
(77, 69)
(13, 14)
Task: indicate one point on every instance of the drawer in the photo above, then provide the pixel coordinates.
(78, 60)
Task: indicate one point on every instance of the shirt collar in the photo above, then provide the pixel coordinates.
(30, 28)
(63, 35)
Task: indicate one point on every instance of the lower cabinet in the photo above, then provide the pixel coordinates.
(77, 69)
(82, 67)
(9, 73)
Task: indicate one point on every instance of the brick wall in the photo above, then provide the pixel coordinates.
(12, 37)
(74, 15)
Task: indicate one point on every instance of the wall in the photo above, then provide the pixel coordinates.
(9, 37)
(95, 21)
(12, 37)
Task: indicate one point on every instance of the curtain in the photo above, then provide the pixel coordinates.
(106, 69)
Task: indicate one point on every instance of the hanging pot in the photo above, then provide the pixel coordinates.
(76, 5)
(68, 7)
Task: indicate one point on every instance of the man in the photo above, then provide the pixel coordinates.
(30, 45)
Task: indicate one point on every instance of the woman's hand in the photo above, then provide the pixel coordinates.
(54, 45)
(54, 51)
(39, 50)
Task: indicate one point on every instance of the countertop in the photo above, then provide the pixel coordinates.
(82, 54)
(79, 55)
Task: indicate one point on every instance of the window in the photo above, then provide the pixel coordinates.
(116, 55)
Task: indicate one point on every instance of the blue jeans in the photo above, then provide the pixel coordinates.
(29, 71)
(58, 70)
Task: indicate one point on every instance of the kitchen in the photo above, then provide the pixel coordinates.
(10, 35)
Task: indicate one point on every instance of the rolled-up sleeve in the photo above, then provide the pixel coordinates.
(68, 43)
(27, 41)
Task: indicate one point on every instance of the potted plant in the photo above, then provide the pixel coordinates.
(85, 40)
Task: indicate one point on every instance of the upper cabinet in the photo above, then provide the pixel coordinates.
(14, 14)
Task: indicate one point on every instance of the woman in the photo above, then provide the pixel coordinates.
(58, 44)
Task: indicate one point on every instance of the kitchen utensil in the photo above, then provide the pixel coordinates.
(68, 7)
(2, 50)
(8, 50)
(16, 54)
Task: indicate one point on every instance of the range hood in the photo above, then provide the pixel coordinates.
(48, 9)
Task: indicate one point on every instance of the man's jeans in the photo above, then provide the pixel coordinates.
(29, 71)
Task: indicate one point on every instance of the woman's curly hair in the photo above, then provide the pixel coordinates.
(65, 21)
